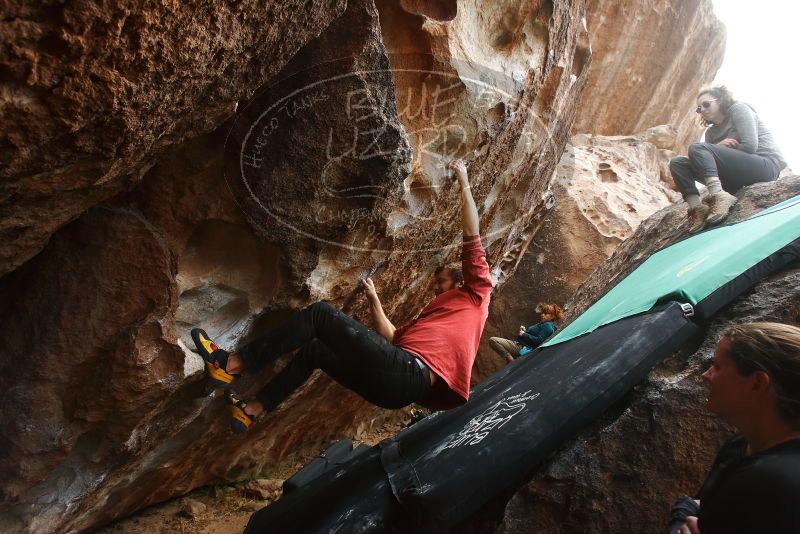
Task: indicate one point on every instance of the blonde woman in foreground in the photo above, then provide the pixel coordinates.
(754, 483)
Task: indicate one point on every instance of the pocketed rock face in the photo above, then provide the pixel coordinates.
(91, 92)
(623, 473)
(649, 59)
(379, 194)
(105, 409)
(603, 188)
(614, 182)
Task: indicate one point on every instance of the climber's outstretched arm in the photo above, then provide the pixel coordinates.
(382, 324)
(469, 213)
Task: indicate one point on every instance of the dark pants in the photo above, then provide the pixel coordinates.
(734, 168)
(352, 354)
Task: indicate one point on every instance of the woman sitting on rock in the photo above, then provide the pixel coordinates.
(738, 150)
(754, 483)
(531, 337)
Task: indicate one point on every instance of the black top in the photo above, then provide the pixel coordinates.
(757, 494)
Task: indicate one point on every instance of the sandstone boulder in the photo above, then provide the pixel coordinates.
(649, 60)
(663, 137)
(91, 93)
(192, 508)
(263, 489)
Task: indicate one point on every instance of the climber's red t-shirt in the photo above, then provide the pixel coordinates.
(446, 333)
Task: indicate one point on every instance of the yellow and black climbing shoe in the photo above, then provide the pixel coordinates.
(212, 354)
(240, 421)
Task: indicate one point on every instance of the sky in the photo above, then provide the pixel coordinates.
(762, 67)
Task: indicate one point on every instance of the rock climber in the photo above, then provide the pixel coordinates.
(754, 483)
(738, 150)
(530, 337)
(427, 360)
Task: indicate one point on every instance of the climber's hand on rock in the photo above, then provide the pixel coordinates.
(459, 169)
(369, 289)
(522, 329)
(729, 142)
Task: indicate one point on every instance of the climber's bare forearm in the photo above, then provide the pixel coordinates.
(469, 212)
(383, 325)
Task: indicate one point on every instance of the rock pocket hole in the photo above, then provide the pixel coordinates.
(607, 174)
(223, 312)
(226, 277)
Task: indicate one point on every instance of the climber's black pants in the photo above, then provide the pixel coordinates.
(352, 354)
(734, 168)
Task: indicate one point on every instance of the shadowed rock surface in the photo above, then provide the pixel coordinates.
(92, 92)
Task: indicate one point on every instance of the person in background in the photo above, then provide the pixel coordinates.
(754, 483)
(738, 150)
(531, 337)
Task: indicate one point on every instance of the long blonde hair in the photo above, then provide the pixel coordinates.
(775, 349)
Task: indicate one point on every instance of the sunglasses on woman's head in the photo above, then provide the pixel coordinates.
(705, 105)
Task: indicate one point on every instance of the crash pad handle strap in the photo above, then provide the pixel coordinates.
(402, 477)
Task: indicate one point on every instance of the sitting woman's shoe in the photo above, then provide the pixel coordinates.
(697, 218)
(212, 355)
(721, 203)
(240, 420)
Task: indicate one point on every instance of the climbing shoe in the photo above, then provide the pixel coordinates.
(240, 421)
(721, 204)
(212, 354)
(697, 218)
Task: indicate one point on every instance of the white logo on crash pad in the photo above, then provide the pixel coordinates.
(495, 417)
(692, 265)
